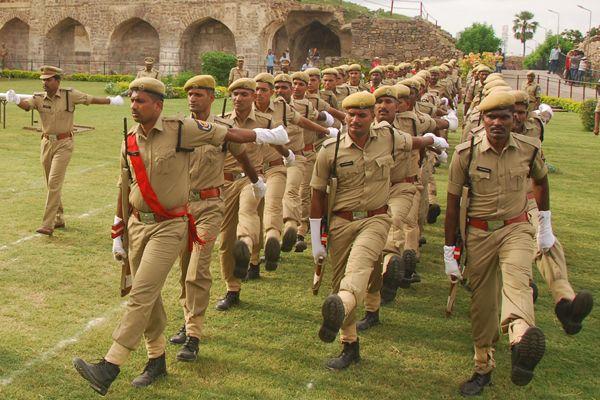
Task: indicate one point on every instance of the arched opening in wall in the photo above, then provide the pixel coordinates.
(14, 44)
(130, 42)
(202, 36)
(67, 45)
(280, 42)
(314, 35)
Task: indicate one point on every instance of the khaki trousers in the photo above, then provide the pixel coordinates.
(275, 178)
(551, 264)
(196, 279)
(240, 221)
(506, 252)
(355, 248)
(305, 190)
(153, 248)
(54, 156)
(292, 203)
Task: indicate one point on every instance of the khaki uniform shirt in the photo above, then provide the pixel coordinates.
(255, 119)
(388, 81)
(499, 181)
(416, 124)
(311, 137)
(207, 162)
(426, 108)
(296, 134)
(533, 90)
(143, 73)
(362, 87)
(330, 98)
(56, 113)
(343, 91)
(363, 174)
(534, 127)
(280, 110)
(169, 170)
(236, 73)
(473, 93)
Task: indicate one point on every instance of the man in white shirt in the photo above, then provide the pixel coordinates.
(553, 60)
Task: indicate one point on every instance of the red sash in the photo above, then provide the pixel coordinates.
(150, 196)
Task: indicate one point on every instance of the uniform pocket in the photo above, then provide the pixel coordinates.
(482, 182)
(518, 177)
(165, 161)
(384, 165)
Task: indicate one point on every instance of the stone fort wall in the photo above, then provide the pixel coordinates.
(115, 36)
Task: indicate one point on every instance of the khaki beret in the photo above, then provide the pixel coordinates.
(386, 91)
(331, 71)
(283, 78)
(529, 73)
(303, 76)
(403, 90)
(493, 77)
(200, 82)
(243, 83)
(359, 100)
(48, 71)
(313, 71)
(265, 77)
(342, 68)
(149, 85)
(376, 69)
(434, 70)
(410, 83)
(354, 67)
(487, 92)
(420, 79)
(484, 68)
(497, 101)
(521, 96)
(149, 60)
(444, 68)
(497, 82)
(424, 73)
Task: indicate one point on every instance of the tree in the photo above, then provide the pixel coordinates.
(478, 38)
(572, 35)
(524, 27)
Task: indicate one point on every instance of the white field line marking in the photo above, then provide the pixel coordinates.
(29, 237)
(48, 354)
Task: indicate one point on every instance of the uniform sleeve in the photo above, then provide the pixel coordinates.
(32, 103)
(78, 97)
(456, 175)
(469, 94)
(430, 123)
(235, 148)
(321, 171)
(402, 143)
(293, 116)
(313, 114)
(231, 76)
(539, 169)
(197, 133)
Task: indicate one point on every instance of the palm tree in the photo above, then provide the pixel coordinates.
(524, 27)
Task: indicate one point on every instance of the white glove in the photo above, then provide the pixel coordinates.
(119, 252)
(271, 136)
(451, 265)
(545, 236)
(438, 142)
(444, 101)
(318, 250)
(116, 101)
(329, 121)
(443, 157)
(289, 160)
(259, 188)
(13, 97)
(333, 132)
(452, 121)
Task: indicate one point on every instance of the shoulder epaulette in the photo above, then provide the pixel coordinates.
(465, 145)
(224, 121)
(330, 141)
(535, 142)
(263, 115)
(39, 94)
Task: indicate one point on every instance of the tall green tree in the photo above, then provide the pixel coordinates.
(572, 35)
(524, 27)
(478, 38)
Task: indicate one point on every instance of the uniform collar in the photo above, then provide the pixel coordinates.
(57, 94)
(251, 116)
(486, 145)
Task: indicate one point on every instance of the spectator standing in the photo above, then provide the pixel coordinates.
(376, 62)
(553, 60)
(308, 64)
(575, 59)
(270, 61)
(499, 60)
(583, 67)
(567, 71)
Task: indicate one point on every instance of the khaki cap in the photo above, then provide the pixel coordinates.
(342, 69)
(149, 60)
(303, 76)
(147, 84)
(483, 68)
(402, 90)
(243, 83)
(359, 100)
(487, 92)
(200, 82)
(48, 71)
(386, 91)
(435, 69)
(329, 71)
(530, 73)
(494, 83)
(313, 72)
(283, 78)
(424, 73)
(265, 77)
(354, 67)
(420, 79)
(376, 69)
(444, 68)
(492, 77)
(521, 96)
(390, 67)
(497, 101)
(410, 83)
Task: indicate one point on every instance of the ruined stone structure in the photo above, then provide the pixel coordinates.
(114, 36)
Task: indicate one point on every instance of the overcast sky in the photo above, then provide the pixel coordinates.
(455, 15)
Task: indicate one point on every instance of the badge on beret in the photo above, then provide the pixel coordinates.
(203, 125)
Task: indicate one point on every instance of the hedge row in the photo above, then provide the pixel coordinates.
(173, 92)
(565, 104)
(585, 109)
(20, 74)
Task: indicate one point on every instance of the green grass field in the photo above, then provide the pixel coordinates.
(59, 295)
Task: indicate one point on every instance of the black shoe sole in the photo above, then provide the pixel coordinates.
(81, 368)
(409, 258)
(272, 251)
(391, 279)
(463, 392)
(333, 318)
(290, 236)
(580, 308)
(139, 386)
(241, 254)
(220, 307)
(530, 351)
(186, 358)
(251, 276)
(300, 246)
(364, 325)
(332, 368)
(433, 213)
(176, 339)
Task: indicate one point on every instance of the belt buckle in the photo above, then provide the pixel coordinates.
(52, 138)
(359, 215)
(495, 224)
(146, 217)
(194, 195)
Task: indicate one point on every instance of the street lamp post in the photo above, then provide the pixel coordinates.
(589, 25)
(557, 24)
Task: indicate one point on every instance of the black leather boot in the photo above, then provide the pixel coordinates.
(393, 275)
(350, 354)
(253, 272)
(571, 313)
(100, 376)
(290, 235)
(370, 320)
(333, 317)
(272, 251)
(433, 213)
(179, 337)
(474, 386)
(526, 355)
(155, 368)
(300, 245)
(241, 254)
(189, 351)
(231, 299)
(409, 258)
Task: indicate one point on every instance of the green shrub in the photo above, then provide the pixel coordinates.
(565, 104)
(587, 114)
(218, 64)
(19, 74)
(99, 77)
(116, 88)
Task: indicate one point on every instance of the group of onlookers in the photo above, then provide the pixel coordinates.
(577, 66)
